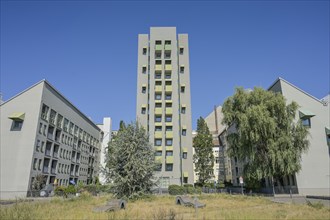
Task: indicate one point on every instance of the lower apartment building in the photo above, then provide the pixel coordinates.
(314, 176)
(43, 133)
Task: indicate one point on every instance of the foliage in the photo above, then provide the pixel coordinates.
(60, 191)
(130, 162)
(266, 136)
(186, 189)
(175, 190)
(203, 157)
(38, 182)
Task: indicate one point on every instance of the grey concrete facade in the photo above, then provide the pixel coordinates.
(43, 133)
(106, 127)
(163, 101)
(314, 176)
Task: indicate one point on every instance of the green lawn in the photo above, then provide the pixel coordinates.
(163, 207)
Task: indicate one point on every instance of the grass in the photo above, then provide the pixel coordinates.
(163, 207)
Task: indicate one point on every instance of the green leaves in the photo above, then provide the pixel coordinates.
(130, 161)
(203, 157)
(267, 135)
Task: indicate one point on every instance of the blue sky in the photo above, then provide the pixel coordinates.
(88, 49)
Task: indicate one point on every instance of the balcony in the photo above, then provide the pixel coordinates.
(52, 121)
(169, 134)
(168, 111)
(158, 159)
(53, 170)
(168, 88)
(158, 111)
(168, 67)
(169, 159)
(168, 47)
(169, 148)
(44, 116)
(158, 68)
(158, 47)
(158, 134)
(158, 88)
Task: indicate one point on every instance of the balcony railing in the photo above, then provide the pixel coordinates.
(53, 170)
(50, 136)
(47, 153)
(55, 154)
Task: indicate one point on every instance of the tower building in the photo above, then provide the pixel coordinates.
(163, 102)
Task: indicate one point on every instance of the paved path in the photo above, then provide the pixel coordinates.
(298, 200)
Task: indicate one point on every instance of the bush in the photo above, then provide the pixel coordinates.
(176, 190)
(59, 191)
(70, 190)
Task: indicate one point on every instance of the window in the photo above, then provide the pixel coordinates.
(158, 96)
(169, 153)
(158, 118)
(168, 105)
(216, 160)
(168, 83)
(59, 121)
(169, 167)
(169, 128)
(143, 110)
(158, 83)
(306, 122)
(168, 118)
(158, 55)
(168, 96)
(40, 128)
(158, 128)
(168, 62)
(169, 142)
(144, 69)
(181, 50)
(158, 62)
(158, 153)
(181, 69)
(158, 142)
(158, 75)
(168, 75)
(144, 51)
(16, 125)
(158, 42)
(52, 116)
(185, 179)
(38, 145)
(44, 111)
(35, 161)
(167, 54)
(182, 89)
(66, 125)
(184, 132)
(183, 110)
(158, 105)
(39, 165)
(42, 148)
(167, 42)
(184, 155)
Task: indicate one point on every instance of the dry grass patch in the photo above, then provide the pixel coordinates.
(164, 207)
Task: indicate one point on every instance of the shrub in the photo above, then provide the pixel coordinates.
(59, 191)
(70, 190)
(176, 190)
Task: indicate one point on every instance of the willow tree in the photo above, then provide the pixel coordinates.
(203, 157)
(267, 136)
(130, 162)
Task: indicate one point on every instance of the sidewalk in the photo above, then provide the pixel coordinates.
(297, 199)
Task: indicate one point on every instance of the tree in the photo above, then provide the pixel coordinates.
(203, 157)
(130, 162)
(267, 138)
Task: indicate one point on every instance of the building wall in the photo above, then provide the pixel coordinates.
(147, 100)
(106, 127)
(17, 146)
(313, 179)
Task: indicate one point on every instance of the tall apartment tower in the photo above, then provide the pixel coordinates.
(163, 102)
